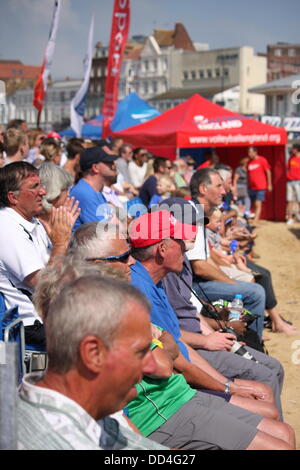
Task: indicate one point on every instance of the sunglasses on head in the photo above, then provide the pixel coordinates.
(123, 258)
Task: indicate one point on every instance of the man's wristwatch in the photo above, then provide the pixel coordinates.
(227, 386)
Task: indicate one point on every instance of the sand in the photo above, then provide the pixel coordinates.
(279, 248)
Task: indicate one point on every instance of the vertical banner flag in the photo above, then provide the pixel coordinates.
(41, 83)
(118, 38)
(79, 101)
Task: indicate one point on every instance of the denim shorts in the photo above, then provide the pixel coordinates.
(257, 195)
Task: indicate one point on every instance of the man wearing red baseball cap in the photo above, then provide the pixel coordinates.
(159, 242)
(154, 227)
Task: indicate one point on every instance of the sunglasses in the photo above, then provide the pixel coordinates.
(123, 258)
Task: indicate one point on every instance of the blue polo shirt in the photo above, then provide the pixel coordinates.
(89, 202)
(162, 314)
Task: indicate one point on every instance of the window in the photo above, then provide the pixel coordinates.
(62, 96)
(146, 88)
(226, 73)
(154, 64)
(209, 73)
(291, 52)
(218, 74)
(278, 52)
(146, 65)
(201, 74)
(154, 87)
(185, 75)
(193, 75)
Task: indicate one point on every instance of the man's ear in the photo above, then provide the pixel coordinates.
(162, 249)
(12, 197)
(202, 189)
(92, 353)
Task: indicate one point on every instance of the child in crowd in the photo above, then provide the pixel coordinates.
(165, 188)
(232, 264)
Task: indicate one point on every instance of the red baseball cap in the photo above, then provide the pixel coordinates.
(54, 135)
(154, 227)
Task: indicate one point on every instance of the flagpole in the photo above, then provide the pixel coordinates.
(38, 118)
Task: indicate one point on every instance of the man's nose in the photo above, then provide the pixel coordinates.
(150, 365)
(131, 261)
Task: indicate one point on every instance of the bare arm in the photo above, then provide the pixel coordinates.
(203, 269)
(269, 179)
(209, 378)
(197, 377)
(215, 341)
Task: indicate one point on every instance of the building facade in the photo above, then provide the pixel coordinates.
(283, 60)
(282, 104)
(17, 76)
(213, 72)
(56, 110)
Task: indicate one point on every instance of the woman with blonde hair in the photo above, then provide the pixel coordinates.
(50, 150)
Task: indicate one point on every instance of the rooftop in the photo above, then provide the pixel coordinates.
(179, 38)
(179, 93)
(284, 84)
(15, 69)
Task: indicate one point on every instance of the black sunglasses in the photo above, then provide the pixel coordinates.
(123, 258)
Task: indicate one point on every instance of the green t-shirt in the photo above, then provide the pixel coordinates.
(157, 401)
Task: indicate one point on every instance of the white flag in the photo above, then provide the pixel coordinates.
(42, 81)
(79, 101)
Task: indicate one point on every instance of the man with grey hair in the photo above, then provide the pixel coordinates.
(207, 190)
(100, 242)
(91, 374)
(25, 245)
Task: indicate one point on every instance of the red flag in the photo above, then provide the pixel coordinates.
(118, 39)
(41, 83)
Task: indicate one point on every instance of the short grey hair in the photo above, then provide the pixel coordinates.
(92, 240)
(144, 253)
(202, 176)
(66, 269)
(225, 174)
(55, 180)
(89, 305)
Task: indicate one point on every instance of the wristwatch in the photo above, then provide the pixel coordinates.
(227, 386)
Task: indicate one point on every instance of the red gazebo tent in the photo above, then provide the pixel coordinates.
(199, 123)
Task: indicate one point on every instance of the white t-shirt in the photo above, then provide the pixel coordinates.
(137, 173)
(199, 252)
(24, 249)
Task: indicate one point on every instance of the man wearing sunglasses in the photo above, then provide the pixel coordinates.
(100, 242)
(25, 246)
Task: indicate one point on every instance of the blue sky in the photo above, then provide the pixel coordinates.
(24, 25)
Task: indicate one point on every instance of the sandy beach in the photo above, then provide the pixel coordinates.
(279, 248)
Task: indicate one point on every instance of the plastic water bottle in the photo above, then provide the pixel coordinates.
(236, 308)
(233, 245)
